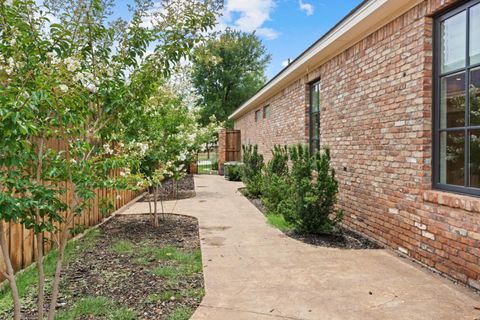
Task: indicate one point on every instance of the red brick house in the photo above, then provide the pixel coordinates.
(394, 91)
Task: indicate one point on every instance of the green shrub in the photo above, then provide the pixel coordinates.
(310, 206)
(234, 172)
(276, 185)
(215, 165)
(279, 163)
(252, 170)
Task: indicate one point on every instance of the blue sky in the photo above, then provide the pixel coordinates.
(297, 29)
(287, 27)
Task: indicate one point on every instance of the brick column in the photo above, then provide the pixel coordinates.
(222, 149)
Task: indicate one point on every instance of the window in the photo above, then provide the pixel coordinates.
(266, 112)
(314, 117)
(456, 161)
(258, 115)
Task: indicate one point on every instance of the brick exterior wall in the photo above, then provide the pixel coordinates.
(376, 109)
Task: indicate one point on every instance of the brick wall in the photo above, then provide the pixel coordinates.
(376, 103)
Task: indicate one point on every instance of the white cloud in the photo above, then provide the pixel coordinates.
(307, 7)
(268, 33)
(249, 16)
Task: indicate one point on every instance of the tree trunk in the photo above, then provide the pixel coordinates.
(10, 275)
(39, 238)
(155, 211)
(41, 275)
(163, 211)
(58, 271)
(150, 204)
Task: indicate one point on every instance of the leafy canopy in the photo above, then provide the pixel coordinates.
(227, 71)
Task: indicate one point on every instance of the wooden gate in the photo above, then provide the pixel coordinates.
(229, 147)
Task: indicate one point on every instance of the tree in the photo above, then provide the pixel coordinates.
(170, 135)
(70, 81)
(227, 71)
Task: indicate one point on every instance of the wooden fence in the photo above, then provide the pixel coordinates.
(21, 240)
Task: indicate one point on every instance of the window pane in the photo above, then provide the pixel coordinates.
(475, 97)
(315, 97)
(257, 115)
(452, 105)
(314, 146)
(452, 157)
(453, 42)
(266, 112)
(315, 118)
(475, 34)
(475, 158)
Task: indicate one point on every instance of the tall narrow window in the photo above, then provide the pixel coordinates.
(456, 159)
(314, 117)
(258, 115)
(266, 112)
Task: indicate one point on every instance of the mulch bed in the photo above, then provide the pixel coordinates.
(342, 239)
(101, 271)
(185, 189)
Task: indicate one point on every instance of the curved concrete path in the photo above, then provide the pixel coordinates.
(252, 271)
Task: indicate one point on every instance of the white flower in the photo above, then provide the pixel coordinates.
(143, 148)
(53, 57)
(13, 42)
(107, 148)
(73, 161)
(63, 88)
(92, 88)
(72, 64)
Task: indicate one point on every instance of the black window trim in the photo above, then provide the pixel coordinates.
(310, 123)
(436, 102)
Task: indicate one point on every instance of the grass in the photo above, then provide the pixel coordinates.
(96, 307)
(204, 156)
(27, 279)
(181, 313)
(123, 247)
(181, 264)
(175, 295)
(279, 222)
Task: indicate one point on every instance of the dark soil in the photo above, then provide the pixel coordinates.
(126, 277)
(184, 189)
(343, 238)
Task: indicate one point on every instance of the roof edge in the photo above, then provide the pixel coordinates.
(363, 20)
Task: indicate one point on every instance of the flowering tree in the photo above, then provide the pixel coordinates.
(70, 82)
(169, 131)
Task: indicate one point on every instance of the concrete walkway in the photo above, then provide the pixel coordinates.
(252, 271)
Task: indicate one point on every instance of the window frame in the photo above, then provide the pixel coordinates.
(259, 117)
(436, 103)
(264, 109)
(310, 115)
